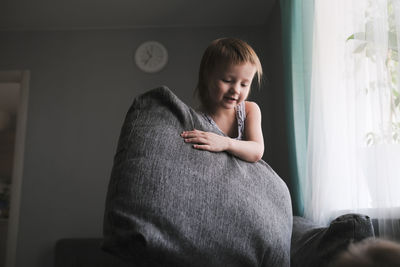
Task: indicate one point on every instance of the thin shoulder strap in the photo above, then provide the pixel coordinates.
(241, 117)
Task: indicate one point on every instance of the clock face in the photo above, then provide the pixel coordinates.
(151, 56)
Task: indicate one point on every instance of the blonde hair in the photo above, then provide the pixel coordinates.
(224, 51)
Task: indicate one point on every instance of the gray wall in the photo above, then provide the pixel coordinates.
(82, 84)
(274, 99)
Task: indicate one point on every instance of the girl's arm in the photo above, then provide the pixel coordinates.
(250, 149)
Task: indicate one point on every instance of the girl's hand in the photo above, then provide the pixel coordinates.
(206, 140)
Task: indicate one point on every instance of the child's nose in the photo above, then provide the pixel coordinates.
(236, 88)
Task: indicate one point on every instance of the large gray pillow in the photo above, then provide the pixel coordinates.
(171, 205)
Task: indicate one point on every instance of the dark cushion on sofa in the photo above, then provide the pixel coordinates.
(171, 205)
(84, 252)
(312, 244)
(315, 245)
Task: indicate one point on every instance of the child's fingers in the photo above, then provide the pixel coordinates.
(191, 133)
(188, 134)
(198, 140)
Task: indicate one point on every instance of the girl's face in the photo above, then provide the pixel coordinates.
(229, 85)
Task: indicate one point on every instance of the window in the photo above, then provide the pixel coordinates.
(353, 162)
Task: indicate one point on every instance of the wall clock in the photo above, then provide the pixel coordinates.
(151, 56)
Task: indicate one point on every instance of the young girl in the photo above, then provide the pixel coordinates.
(226, 72)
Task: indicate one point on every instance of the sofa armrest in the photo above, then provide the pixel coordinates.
(316, 245)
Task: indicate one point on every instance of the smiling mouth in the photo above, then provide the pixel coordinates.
(230, 98)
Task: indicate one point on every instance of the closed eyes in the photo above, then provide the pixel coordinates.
(232, 81)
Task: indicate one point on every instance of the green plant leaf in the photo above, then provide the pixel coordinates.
(360, 48)
(351, 37)
(392, 40)
(357, 36)
(370, 138)
(396, 137)
(397, 102)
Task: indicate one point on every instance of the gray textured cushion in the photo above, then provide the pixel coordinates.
(171, 205)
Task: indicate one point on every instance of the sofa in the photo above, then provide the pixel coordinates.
(311, 244)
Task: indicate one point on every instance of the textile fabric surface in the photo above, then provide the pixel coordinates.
(240, 118)
(317, 246)
(171, 205)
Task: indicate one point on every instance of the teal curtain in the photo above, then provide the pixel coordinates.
(297, 18)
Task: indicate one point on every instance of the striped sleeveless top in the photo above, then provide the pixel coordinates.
(240, 117)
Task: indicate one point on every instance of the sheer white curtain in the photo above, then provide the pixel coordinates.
(353, 161)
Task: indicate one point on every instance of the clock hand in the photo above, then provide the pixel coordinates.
(147, 60)
(149, 52)
(150, 55)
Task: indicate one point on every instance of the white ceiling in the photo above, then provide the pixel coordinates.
(117, 14)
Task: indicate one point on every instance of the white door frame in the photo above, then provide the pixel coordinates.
(21, 77)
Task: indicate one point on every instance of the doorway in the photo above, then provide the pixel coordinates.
(14, 87)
